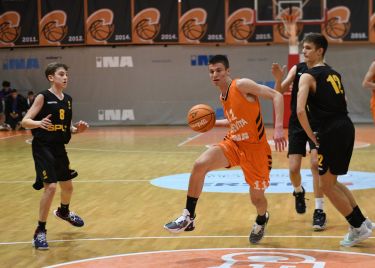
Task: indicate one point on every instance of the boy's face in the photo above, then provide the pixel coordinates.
(59, 78)
(218, 74)
(311, 52)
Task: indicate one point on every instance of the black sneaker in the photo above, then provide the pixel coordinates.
(300, 201)
(72, 218)
(182, 223)
(319, 220)
(257, 232)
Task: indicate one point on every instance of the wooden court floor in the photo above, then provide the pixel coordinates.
(124, 213)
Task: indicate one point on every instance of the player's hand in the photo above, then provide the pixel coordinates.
(45, 122)
(80, 126)
(278, 71)
(315, 140)
(280, 141)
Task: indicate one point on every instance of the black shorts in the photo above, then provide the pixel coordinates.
(297, 139)
(336, 142)
(51, 162)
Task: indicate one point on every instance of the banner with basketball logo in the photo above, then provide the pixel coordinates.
(347, 20)
(241, 25)
(372, 21)
(108, 22)
(61, 23)
(155, 21)
(202, 21)
(19, 23)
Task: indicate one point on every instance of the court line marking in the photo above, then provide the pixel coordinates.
(8, 137)
(126, 151)
(177, 237)
(190, 139)
(278, 250)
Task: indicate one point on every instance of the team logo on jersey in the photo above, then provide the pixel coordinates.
(338, 24)
(99, 26)
(193, 25)
(53, 28)
(240, 25)
(146, 25)
(9, 28)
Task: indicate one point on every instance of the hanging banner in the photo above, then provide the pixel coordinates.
(19, 23)
(372, 21)
(202, 21)
(61, 23)
(108, 22)
(155, 21)
(241, 25)
(347, 20)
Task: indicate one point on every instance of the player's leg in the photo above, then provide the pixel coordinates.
(296, 180)
(211, 159)
(319, 221)
(258, 199)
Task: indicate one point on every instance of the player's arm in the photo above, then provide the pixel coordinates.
(78, 127)
(248, 86)
(278, 73)
(28, 120)
(368, 80)
(222, 123)
(306, 83)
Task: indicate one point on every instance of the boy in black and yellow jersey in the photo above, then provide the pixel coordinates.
(49, 119)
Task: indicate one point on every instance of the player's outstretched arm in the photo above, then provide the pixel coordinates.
(278, 73)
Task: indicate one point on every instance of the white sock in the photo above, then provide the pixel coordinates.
(319, 203)
(298, 189)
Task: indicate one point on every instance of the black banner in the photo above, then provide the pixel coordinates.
(241, 25)
(61, 23)
(347, 20)
(19, 23)
(202, 22)
(155, 21)
(372, 21)
(108, 22)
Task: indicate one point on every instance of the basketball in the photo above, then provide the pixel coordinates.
(201, 118)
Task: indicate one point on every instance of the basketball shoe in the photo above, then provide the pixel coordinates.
(300, 201)
(356, 235)
(257, 232)
(71, 217)
(370, 224)
(182, 223)
(40, 240)
(319, 220)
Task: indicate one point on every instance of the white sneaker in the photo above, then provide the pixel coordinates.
(356, 235)
(370, 224)
(257, 231)
(182, 223)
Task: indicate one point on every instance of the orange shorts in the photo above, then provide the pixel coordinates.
(255, 161)
(372, 104)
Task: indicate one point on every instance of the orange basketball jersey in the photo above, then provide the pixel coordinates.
(246, 122)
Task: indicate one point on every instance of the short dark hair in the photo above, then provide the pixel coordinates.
(30, 92)
(13, 90)
(219, 59)
(319, 40)
(53, 66)
(6, 84)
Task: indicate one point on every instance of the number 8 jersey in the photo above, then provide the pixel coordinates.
(61, 111)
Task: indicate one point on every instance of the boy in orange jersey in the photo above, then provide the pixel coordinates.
(245, 145)
(369, 83)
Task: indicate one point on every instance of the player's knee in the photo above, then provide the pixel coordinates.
(314, 164)
(294, 170)
(257, 200)
(50, 188)
(200, 166)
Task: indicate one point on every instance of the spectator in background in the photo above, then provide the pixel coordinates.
(15, 109)
(30, 99)
(4, 92)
